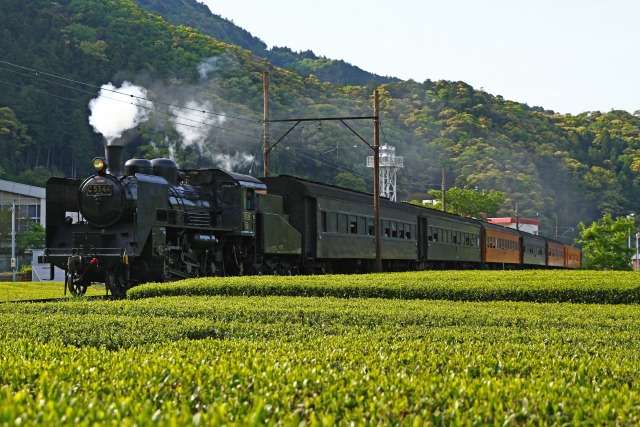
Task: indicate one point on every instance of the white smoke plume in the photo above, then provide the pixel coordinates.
(207, 67)
(112, 113)
(191, 123)
(233, 162)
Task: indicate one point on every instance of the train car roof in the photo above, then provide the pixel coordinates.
(201, 176)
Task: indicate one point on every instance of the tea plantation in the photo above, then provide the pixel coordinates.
(294, 357)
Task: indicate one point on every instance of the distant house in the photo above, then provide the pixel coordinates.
(529, 225)
(30, 205)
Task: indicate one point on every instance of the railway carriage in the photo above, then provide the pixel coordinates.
(337, 226)
(572, 257)
(534, 250)
(448, 239)
(555, 254)
(501, 245)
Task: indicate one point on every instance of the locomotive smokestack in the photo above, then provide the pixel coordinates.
(113, 155)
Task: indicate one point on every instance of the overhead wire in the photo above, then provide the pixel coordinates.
(203, 124)
(37, 73)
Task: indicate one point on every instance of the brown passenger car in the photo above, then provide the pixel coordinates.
(572, 257)
(555, 254)
(501, 245)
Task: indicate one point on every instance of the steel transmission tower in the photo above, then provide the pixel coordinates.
(389, 166)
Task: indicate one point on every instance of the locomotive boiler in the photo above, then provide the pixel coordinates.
(148, 221)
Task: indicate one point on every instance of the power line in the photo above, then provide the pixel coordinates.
(203, 124)
(37, 74)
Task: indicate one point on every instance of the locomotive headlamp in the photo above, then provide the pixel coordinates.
(99, 164)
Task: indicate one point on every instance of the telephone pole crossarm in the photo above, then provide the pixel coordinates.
(323, 119)
(375, 147)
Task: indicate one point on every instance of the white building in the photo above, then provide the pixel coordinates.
(30, 205)
(528, 225)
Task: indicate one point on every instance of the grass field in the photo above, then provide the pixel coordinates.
(21, 291)
(264, 359)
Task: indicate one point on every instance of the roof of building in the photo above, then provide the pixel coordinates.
(510, 220)
(22, 189)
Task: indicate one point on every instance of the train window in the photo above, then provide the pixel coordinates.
(394, 229)
(332, 222)
(454, 238)
(342, 223)
(362, 225)
(353, 224)
(401, 231)
(370, 227)
(430, 234)
(323, 221)
(386, 226)
(250, 198)
(435, 234)
(408, 231)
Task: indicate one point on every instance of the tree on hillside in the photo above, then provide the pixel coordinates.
(468, 202)
(350, 181)
(604, 243)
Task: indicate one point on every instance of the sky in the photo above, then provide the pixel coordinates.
(566, 55)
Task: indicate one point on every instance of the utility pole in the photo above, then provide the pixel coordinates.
(14, 264)
(517, 218)
(637, 266)
(556, 226)
(375, 147)
(376, 179)
(266, 148)
(443, 189)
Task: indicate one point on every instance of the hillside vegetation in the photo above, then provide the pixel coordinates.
(557, 166)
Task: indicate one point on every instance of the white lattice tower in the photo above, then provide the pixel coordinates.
(389, 166)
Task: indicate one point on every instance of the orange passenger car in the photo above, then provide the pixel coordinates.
(572, 257)
(555, 254)
(501, 245)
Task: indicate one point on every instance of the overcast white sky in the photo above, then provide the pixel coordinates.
(565, 55)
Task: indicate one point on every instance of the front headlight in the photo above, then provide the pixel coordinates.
(98, 164)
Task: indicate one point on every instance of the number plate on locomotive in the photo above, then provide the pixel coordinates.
(99, 190)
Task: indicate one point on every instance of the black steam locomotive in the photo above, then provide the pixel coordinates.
(149, 221)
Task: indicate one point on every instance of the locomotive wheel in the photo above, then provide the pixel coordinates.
(74, 284)
(117, 285)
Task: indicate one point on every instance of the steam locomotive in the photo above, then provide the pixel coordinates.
(147, 221)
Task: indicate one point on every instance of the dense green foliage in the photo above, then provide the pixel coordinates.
(247, 361)
(535, 286)
(469, 202)
(605, 243)
(572, 167)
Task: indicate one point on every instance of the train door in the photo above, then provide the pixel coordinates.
(423, 239)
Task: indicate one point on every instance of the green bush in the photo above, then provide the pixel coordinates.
(322, 361)
(534, 286)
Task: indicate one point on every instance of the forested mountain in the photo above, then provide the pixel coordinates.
(572, 167)
(197, 15)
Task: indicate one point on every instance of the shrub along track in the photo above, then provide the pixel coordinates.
(527, 285)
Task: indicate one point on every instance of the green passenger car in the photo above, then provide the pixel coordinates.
(337, 224)
(533, 249)
(448, 238)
